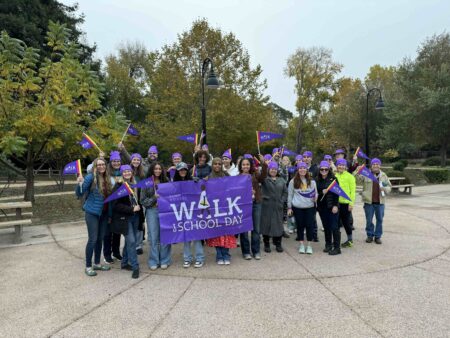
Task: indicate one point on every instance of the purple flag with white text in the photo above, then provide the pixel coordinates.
(205, 209)
(264, 136)
(146, 183)
(364, 171)
(132, 130)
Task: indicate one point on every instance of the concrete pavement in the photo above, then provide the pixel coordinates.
(397, 289)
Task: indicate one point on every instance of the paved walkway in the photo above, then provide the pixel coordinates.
(398, 289)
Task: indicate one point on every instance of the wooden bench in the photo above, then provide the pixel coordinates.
(407, 188)
(17, 220)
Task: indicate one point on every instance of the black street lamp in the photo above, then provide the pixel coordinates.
(379, 105)
(211, 82)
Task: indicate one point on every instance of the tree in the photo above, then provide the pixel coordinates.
(315, 74)
(43, 105)
(28, 20)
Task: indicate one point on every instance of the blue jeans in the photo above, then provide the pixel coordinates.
(129, 250)
(378, 211)
(159, 254)
(96, 227)
(222, 254)
(255, 240)
(140, 239)
(199, 253)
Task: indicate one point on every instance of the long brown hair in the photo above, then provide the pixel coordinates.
(221, 173)
(298, 180)
(101, 180)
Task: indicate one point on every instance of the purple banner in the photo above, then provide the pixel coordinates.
(264, 136)
(85, 143)
(132, 130)
(364, 171)
(360, 153)
(191, 138)
(205, 209)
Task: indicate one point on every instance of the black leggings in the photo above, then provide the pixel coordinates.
(345, 218)
(304, 218)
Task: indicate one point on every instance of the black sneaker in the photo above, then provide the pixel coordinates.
(279, 248)
(135, 274)
(347, 244)
(286, 235)
(126, 267)
(118, 257)
(108, 260)
(369, 239)
(267, 248)
(316, 240)
(139, 251)
(378, 240)
(328, 248)
(335, 251)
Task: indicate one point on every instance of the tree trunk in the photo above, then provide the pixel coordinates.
(29, 188)
(443, 154)
(299, 135)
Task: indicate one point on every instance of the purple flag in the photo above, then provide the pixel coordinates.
(172, 173)
(335, 188)
(364, 171)
(360, 153)
(124, 190)
(264, 136)
(310, 194)
(146, 183)
(287, 152)
(206, 209)
(85, 143)
(132, 130)
(191, 138)
(72, 168)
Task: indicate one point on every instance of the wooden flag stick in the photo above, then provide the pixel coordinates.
(125, 133)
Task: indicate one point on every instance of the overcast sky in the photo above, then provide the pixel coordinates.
(361, 33)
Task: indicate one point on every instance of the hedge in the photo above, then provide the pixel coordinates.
(436, 175)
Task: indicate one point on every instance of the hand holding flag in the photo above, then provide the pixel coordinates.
(124, 190)
(336, 189)
(359, 153)
(363, 171)
(87, 142)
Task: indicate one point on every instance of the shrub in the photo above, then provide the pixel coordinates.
(391, 155)
(398, 166)
(432, 161)
(436, 175)
(404, 161)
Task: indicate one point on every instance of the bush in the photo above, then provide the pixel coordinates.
(404, 161)
(436, 175)
(398, 166)
(432, 161)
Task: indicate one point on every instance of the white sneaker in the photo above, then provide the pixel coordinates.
(186, 264)
(220, 262)
(198, 264)
(164, 267)
(291, 231)
(227, 262)
(301, 249)
(153, 267)
(309, 250)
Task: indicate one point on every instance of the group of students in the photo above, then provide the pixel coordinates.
(281, 191)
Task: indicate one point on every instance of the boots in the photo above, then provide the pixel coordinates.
(328, 245)
(266, 240)
(336, 242)
(277, 242)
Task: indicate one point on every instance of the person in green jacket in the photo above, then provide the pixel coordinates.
(348, 183)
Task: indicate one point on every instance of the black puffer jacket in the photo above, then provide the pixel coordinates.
(331, 200)
(122, 210)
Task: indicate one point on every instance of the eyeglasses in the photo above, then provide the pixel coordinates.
(153, 153)
(323, 169)
(101, 165)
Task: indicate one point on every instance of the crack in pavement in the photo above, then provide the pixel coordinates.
(427, 270)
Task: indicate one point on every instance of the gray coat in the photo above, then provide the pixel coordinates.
(274, 195)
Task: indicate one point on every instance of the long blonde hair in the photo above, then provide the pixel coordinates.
(100, 179)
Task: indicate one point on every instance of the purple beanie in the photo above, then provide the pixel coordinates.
(274, 150)
(302, 165)
(227, 154)
(339, 151)
(299, 158)
(341, 161)
(267, 157)
(324, 164)
(307, 154)
(153, 149)
(174, 155)
(327, 157)
(136, 155)
(273, 165)
(375, 161)
(248, 156)
(114, 156)
(125, 167)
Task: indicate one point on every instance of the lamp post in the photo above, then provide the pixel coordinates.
(379, 105)
(211, 82)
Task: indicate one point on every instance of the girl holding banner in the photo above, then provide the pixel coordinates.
(246, 168)
(327, 206)
(274, 193)
(160, 254)
(95, 188)
(125, 221)
(302, 196)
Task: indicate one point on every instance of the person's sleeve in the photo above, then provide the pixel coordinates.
(290, 194)
(387, 184)
(148, 199)
(122, 207)
(352, 185)
(285, 193)
(315, 189)
(261, 177)
(79, 191)
(125, 156)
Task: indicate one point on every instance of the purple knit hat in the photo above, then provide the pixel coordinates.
(248, 156)
(341, 161)
(324, 164)
(175, 155)
(114, 156)
(125, 167)
(274, 150)
(272, 165)
(267, 157)
(375, 161)
(302, 165)
(327, 157)
(339, 151)
(153, 149)
(298, 158)
(227, 154)
(307, 153)
(136, 155)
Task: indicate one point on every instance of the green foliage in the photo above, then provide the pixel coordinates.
(398, 166)
(436, 175)
(434, 161)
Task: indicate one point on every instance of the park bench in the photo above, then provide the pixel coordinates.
(397, 185)
(18, 219)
